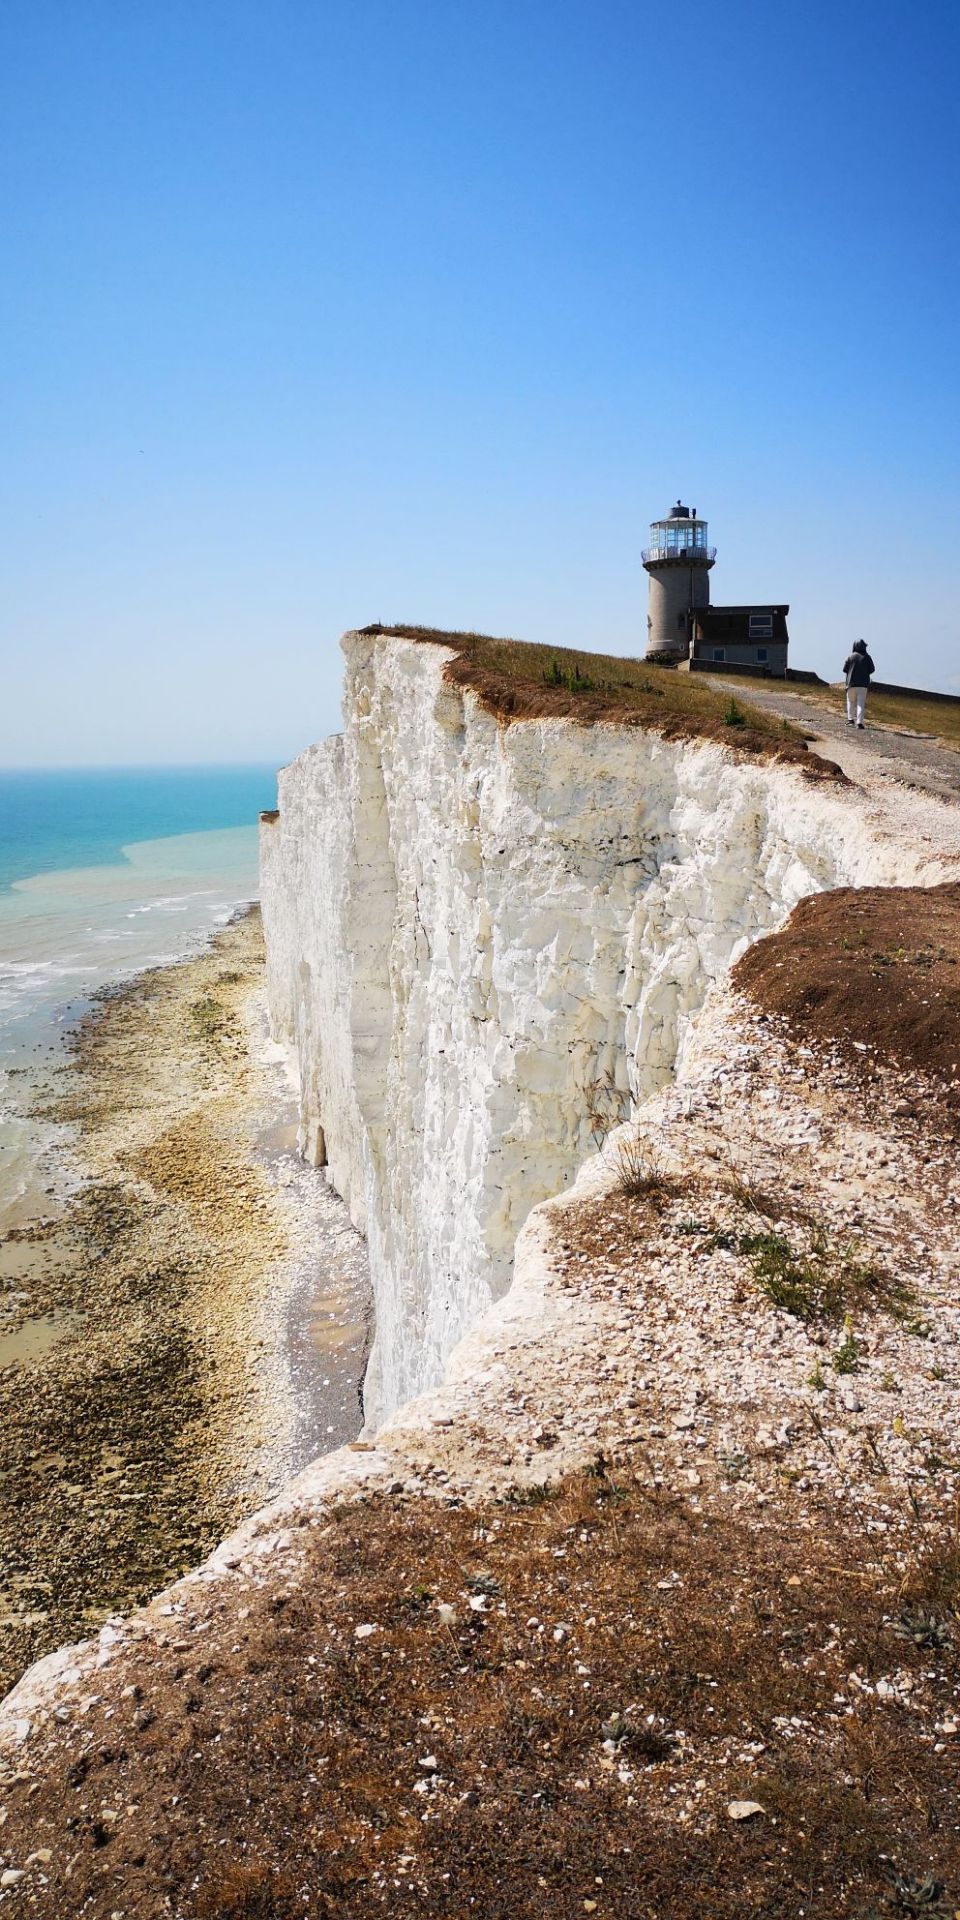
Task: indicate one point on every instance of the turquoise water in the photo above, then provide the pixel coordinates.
(101, 875)
(51, 821)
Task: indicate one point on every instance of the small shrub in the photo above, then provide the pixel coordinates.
(818, 1282)
(606, 1105)
(417, 1600)
(733, 716)
(861, 1283)
(788, 1279)
(755, 1199)
(569, 677)
(639, 1175)
(536, 1495)
(920, 1328)
(922, 1629)
(846, 1357)
(645, 1746)
(725, 1239)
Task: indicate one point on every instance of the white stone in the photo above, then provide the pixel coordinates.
(470, 928)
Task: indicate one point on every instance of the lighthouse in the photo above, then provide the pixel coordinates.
(678, 562)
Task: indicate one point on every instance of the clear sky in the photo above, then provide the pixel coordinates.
(324, 311)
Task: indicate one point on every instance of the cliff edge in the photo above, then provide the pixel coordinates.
(488, 929)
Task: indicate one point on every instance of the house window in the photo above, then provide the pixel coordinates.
(719, 653)
(761, 626)
(762, 653)
(681, 621)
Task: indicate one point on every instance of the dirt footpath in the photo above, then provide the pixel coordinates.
(878, 755)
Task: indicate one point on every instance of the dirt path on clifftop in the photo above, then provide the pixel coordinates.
(877, 756)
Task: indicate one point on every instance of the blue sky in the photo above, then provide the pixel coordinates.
(326, 312)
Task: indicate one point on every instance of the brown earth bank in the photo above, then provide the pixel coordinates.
(518, 680)
(137, 1402)
(585, 1699)
(873, 969)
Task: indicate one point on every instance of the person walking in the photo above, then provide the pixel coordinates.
(857, 668)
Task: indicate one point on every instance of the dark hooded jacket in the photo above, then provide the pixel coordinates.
(858, 667)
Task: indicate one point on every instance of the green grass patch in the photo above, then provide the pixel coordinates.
(819, 1282)
(571, 677)
(208, 1017)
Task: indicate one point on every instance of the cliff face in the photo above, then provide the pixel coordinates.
(484, 941)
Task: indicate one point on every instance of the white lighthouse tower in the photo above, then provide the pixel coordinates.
(678, 562)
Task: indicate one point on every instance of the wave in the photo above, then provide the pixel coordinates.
(22, 969)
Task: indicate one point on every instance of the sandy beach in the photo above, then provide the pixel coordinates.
(190, 1329)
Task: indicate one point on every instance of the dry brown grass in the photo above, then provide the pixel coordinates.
(278, 1765)
(879, 966)
(517, 680)
(640, 1176)
(941, 718)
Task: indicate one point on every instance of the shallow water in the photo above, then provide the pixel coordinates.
(25, 1260)
(116, 905)
(34, 1337)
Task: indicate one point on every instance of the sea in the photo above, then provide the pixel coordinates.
(102, 873)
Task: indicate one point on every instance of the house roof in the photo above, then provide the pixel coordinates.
(733, 623)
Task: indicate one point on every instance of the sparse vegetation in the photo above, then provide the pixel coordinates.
(817, 1281)
(266, 1771)
(244, 1892)
(846, 1357)
(606, 1107)
(733, 715)
(639, 1174)
(537, 1494)
(208, 1017)
(875, 973)
(558, 675)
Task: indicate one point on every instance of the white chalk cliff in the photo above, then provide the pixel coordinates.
(474, 929)
(469, 928)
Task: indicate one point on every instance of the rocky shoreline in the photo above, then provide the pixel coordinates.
(158, 1376)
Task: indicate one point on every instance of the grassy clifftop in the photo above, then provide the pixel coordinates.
(516, 680)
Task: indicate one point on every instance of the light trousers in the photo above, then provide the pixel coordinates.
(856, 703)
